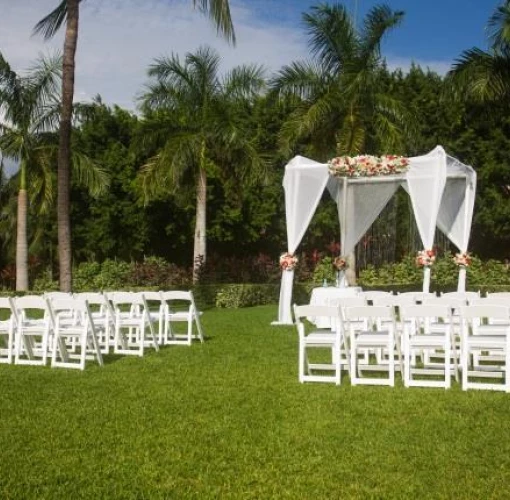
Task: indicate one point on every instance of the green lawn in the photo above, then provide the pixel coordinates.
(228, 419)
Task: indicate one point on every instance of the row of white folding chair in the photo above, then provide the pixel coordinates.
(172, 308)
(37, 329)
(126, 317)
(353, 336)
(368, 330)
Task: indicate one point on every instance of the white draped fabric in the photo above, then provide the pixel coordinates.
(359, 203)
(441, 189)
(304, 182)
(426, 179)
(456, 211)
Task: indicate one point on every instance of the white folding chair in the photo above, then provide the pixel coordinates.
(103, 318)
(454, 302)
(486, 329)
(327, 338)
(133, 324)
(157, 312)
(33, 332)
(7, 329)
(179, 307)
(428, 330)
(372, 339)
(73, 327)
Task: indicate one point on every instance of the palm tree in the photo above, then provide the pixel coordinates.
(212, 131)
(343, 106)
(481, 75)
(31, 106)
(26, 103)
(69, 11)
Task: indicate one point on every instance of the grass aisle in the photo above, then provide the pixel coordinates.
(228, 419)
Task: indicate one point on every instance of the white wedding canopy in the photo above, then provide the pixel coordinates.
(442, 192)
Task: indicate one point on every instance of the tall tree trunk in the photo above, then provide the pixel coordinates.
(64, 152)
(199, 249)
(21, 242)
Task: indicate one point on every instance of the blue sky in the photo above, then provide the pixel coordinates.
(120, 38)
(431, 29)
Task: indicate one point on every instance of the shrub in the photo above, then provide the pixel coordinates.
(234, 296)
(444, 274)
(156, 271)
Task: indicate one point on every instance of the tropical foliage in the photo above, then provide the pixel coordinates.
(153, 158)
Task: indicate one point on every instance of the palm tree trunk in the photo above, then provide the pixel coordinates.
(199, 250)
(64, 153)
(21, 242)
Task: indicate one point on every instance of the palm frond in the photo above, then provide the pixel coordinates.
(332, 36)
(50, 24)
(379, 20)
(498, 29)
(304, 79)
(219, 11)
(243, 81)
(351, 136)
(89, 174)
(44, 79)
(304, 121)
(165, 170)
(480, 75)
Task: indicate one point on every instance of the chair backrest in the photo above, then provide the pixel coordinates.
(186, 295)
(152, 296)
(372, 294)
(452, 302)
(488, 311)
(7, 303)
(312, 311)
(431, 310)
(369, 312)
(58, 295)
(180, 296)
(96, 298)
(68, 304)
(504, 295)
(491, 300)
(31, 307)
(125, 298)
(347, 301)
(461, 295)
(392, 300)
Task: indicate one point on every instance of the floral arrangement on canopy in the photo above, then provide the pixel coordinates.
(367, 165)
(462, 259)
(340, 263)
(288, 261)
(425, 258)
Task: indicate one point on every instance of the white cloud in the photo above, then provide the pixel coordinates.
(120, 38)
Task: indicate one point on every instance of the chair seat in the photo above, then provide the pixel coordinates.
(430, 339)
(486, 341)
(495, 329)
(379, 338)
(318, 337)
